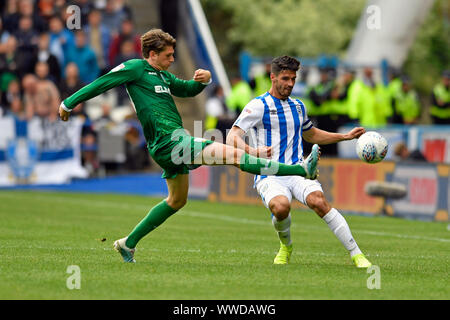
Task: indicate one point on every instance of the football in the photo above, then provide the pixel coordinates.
(371, 147)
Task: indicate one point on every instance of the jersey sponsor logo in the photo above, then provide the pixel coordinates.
(273, 111)
(161, 89)
(152, 73)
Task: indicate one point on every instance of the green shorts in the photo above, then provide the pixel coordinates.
(175, 155)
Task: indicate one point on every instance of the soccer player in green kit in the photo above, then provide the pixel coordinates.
(150, 88)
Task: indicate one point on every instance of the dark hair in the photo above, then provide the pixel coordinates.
(284, 63)
(156, 40)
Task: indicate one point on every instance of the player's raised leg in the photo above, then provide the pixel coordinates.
(221, 154)
(337, 223)
(178, 192)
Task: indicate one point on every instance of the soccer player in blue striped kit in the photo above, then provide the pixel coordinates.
(279, 124)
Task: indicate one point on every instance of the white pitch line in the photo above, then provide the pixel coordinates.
(207, 215)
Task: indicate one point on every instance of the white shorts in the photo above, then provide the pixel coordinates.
(287, 186)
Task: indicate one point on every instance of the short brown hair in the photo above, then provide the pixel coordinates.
(284, 63)
(156, 40)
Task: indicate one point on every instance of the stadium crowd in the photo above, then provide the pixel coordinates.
(42, 62)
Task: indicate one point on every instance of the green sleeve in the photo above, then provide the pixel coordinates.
(128, 71)
(184, 88)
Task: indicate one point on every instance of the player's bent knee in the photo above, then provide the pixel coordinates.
(280, 209)
(317, 202)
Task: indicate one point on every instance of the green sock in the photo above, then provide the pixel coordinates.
(157, 215)
(269, 167)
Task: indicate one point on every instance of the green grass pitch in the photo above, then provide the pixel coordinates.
(207, 251)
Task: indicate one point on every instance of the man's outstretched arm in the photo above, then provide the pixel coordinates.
(123, 73)
(315, 135)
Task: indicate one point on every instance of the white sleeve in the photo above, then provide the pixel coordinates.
(307, 124)
(251, 115)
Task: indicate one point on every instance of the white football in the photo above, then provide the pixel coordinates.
(371, 147)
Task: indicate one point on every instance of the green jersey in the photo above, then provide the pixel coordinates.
(150, 91)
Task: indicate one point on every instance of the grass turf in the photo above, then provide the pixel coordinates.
(207, 251)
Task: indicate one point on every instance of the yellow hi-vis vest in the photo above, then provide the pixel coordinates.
(407, 105)
(262, 84)
(240, 95)
(441, 93)
(371, 106)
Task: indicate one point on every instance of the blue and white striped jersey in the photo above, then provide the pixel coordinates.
(277, 123)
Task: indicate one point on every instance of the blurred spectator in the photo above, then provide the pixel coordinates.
(10, 10)
(86, 6)
(320, 94)
(3, 37)
(217, 116)
(41, 70)
(47, 100)
(240, 95)
(112, 17)
(13, 63)
(137, 157)
(395, 83)
(44, 55)
(98, 38)
(89, 147)
(41, 98)
(341, 93)
(48, 8)
(300, 89)
(84, 57)
(404, 154)
(16, 109)
(322, 107)
(29, 86)
(261, 83)
(7, 97)
(215, 107)
(105, 118)
(127, 52)
(13, 92)
(370, 102)
(126, 33)
(89, 159)
(25, 9)
(405, 103)
(71, 83)
(123, 7)
(62, 40)
(27, 38)
(440, 99)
